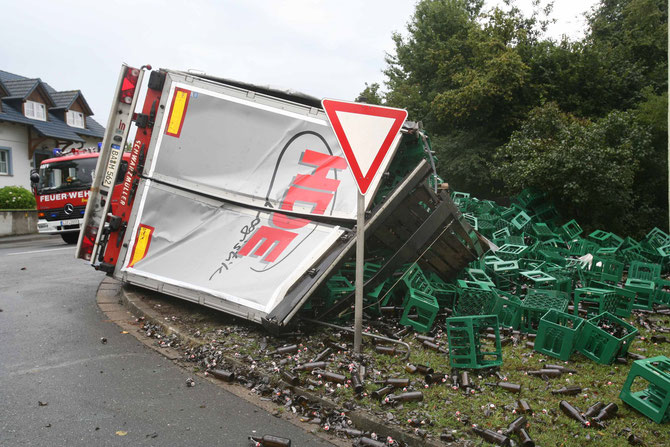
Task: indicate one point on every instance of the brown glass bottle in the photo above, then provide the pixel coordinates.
(271, 441)
(561, 368)
(425, 338)
(356, 383)
(397, 382)
(512, 387)
(524, 439)
(226, 376)
(424, 369)
(608, 412)
(545, 372)
(290, 378)
(572, 412)
(412, 396)
(411, 368)
(568, 390)
(311, 366)
(322, 355)
(285, 350)
(388, 350)
(381, 392)
(465, 379)
(331, 376)
(491, 436)
(523, 407)
(369, 442)
(516, 425)
(594, 409)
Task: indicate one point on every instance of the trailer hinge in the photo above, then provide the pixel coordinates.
(114, 222)
(105, 267)
(122, 232)
(133, 189)
(141, 120)
(156, 80)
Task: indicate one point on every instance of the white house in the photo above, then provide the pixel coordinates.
(35, 119)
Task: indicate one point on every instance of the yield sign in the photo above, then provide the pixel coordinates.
(365, 133)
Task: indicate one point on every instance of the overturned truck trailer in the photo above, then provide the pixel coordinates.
(237, 197)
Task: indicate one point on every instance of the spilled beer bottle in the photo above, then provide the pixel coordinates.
(270, 441)
(573, 413)
(516, 425)
(568, 390)
(512, 387)
(491, 436)
(608, 412)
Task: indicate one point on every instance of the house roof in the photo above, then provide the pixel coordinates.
(19, 87)
(64, 100)
(3, 90)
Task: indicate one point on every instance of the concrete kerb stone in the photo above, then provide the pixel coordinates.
(364, 421)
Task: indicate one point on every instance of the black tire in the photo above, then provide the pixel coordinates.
(70, 238)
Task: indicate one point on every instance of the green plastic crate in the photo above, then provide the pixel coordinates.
(480, 276)
(601, 346)
(557, 334)
(468, 346)
(511, 251)
(536, 304)
(644, 270)
(420, 311)
(594, 301)
(644, 292)
(474, 299)
(624, 301)
(653, 401)
(538, 278)
(521, 220)
(444, 293)
(508, 310)
(571, 230)
(608, 270)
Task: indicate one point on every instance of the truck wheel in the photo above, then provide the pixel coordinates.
(70, 238)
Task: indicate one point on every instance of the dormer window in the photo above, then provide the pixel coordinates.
(35, 110)
(75, 119)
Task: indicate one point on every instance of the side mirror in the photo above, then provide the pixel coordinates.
(34, 177)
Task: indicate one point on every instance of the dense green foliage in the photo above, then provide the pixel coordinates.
(509, 108)
(16, 198)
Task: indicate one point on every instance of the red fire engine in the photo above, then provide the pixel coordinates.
(62, 188)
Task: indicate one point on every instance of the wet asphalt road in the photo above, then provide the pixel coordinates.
(50, 351)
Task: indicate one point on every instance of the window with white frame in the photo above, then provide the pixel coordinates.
(75, 119)
(5, 161)
(36, 110)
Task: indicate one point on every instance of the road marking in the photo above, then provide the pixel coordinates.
(39, 251)
(38, 369)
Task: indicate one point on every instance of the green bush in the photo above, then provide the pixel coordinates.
(16, 198)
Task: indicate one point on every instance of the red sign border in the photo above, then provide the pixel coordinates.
(331, 106)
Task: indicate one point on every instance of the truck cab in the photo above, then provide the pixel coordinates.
(62, 187)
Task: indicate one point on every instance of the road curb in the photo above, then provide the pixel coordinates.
(133, 302)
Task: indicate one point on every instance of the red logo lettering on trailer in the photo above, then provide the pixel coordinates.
(270, 242)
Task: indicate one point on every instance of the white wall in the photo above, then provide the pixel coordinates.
(15, 136)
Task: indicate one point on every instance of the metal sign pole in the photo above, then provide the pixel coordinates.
(358, 306)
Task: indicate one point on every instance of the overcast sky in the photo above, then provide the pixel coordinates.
(324, 48)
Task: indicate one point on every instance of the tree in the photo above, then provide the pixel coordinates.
(481, 80)
(371, 94)
(589, 168)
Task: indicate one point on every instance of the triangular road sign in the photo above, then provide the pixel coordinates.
(365, 133)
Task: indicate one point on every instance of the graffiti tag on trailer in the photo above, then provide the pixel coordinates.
(232, 254)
